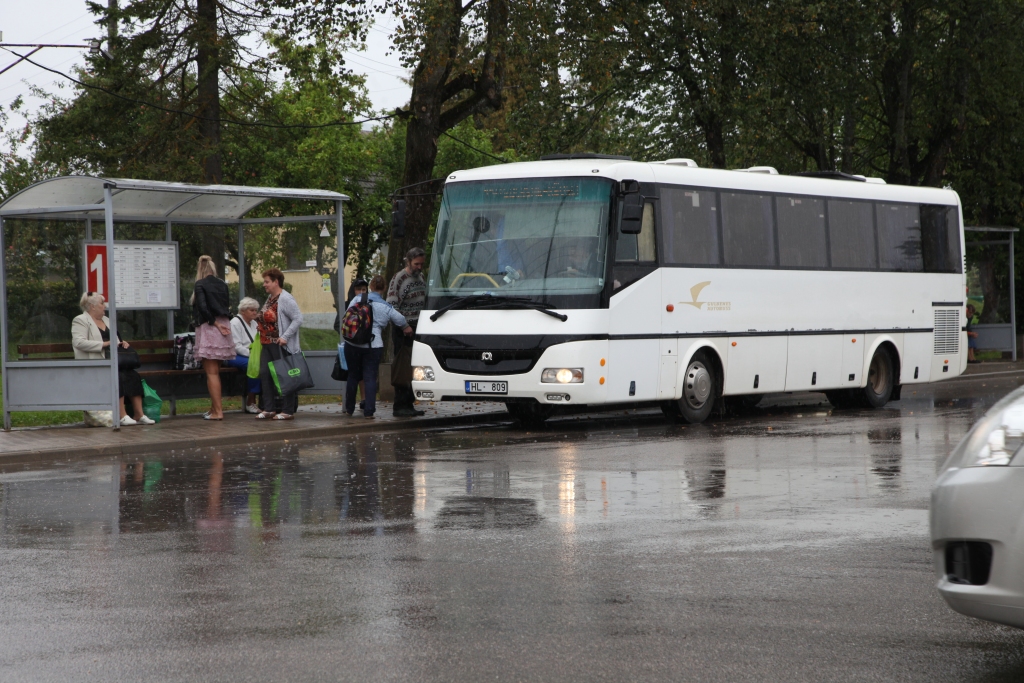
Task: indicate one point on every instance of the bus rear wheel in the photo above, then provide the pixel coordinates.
(529, 414)
(881, 380)
(700, 391)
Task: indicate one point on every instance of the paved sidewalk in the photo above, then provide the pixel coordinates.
(191, 431)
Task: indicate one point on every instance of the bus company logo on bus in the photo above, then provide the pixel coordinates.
(711, 305)
(486, 356)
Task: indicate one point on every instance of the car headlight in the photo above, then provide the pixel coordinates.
(562, 375)
(996, 439)
(423, 373)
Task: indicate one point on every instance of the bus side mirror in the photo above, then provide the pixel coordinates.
(632, 214)
(398, 218)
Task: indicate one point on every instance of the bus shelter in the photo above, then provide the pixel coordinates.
(68, 384)
(998, 336)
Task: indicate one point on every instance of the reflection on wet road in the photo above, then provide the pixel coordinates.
(788, 544)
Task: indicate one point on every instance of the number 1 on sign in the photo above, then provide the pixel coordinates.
(97, 267)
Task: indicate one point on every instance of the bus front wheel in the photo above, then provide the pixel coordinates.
(700, 391)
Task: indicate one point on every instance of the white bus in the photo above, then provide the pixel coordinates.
(596, 280)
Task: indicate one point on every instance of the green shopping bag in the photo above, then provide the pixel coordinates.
(151, 402)
(290, 374)
(252, 371)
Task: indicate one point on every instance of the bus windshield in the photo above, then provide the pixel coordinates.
(540, 238)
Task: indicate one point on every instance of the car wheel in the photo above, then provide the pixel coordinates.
(700, 390)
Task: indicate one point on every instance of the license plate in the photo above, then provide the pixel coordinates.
(486, 387)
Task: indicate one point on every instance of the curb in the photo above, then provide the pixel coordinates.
(342, 429)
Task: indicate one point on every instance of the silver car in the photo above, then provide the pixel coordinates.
(977, 518)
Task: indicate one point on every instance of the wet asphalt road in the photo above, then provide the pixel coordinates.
(787, 544)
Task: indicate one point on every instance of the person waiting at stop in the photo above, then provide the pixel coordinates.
(90, 338)
(363, 360)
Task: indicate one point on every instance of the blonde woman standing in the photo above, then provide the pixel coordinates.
(90, 338)
(213, 330)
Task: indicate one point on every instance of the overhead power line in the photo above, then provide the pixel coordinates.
(251, 124)
(475, 149)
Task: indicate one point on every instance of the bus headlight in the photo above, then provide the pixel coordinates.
(423, 373)
(562, 376)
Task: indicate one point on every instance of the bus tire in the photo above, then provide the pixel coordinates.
(529, 414)
(700, 390)
(881, 380)
(841, 399)
(743, 403)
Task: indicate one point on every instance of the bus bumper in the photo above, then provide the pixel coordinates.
(590, 356)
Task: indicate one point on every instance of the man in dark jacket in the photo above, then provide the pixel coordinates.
(408, 294)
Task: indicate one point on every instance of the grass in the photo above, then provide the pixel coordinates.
(318, 340)
(188, 406)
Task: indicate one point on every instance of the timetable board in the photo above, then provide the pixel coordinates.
(145, 273)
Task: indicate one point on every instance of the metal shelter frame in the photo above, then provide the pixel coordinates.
(93, 384)
(999, 336)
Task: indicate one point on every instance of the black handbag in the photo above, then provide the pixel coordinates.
(339, 374)
(128, 359)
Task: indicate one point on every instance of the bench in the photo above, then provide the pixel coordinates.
(157, 358)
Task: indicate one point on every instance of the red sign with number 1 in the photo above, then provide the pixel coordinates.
(96, 268)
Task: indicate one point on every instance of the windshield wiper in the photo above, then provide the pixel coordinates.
(464, 302)
(490, 302)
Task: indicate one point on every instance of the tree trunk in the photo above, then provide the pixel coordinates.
(208, 90)
(440, 79)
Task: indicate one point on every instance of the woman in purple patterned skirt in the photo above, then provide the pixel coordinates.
(213, 330)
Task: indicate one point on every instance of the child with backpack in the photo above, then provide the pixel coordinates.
(362, 329)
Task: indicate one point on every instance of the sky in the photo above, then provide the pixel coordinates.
(69, 22)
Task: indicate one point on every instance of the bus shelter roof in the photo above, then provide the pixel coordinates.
(81, 197)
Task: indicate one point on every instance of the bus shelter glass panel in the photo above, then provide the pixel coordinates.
(533, 237)
(43, 261)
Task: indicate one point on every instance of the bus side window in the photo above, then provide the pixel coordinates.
(646, 250)
(748, 229)
(639, 248)
(851, 234)
(689, 227)
(899, 237)
(940, 239)
(802, 241)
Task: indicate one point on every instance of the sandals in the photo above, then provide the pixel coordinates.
(284, 416)
(212, 419)
(266, 416)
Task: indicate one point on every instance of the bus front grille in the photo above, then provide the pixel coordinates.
(947, 332)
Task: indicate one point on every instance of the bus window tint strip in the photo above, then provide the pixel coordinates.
(815, 233)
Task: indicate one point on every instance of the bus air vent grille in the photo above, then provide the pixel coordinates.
(947, 332)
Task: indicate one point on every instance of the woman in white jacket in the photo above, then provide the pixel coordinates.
(90, 338)
(243, 332)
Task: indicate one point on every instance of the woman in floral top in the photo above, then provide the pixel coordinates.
(278, 324)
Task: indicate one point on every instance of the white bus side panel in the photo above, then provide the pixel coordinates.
(635, 363)
(917, 357)
(815, 361)
(759, 361)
